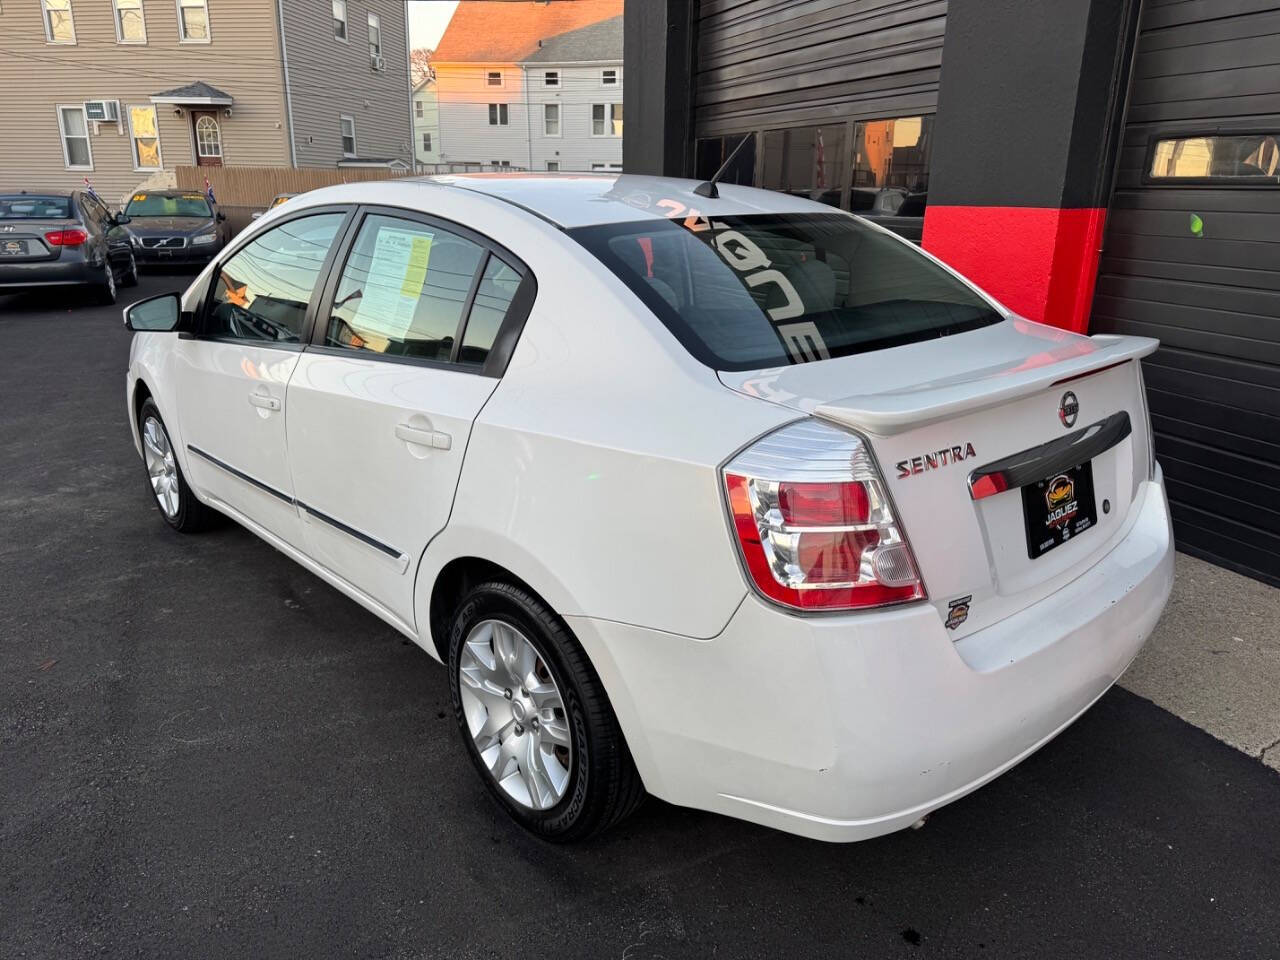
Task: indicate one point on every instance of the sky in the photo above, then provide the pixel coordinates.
(427, 20)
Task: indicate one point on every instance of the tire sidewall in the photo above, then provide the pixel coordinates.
(185, 496)
(499, 602)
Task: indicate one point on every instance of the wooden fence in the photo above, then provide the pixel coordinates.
(253, 187)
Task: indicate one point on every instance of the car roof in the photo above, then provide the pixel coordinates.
(579, 200)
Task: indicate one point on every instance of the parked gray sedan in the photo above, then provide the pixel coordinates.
(63, 238)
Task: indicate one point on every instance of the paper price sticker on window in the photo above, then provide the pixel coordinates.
(415, 274)
(397, 272)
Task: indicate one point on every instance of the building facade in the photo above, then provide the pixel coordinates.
(130, 89)
(426, 123)
(542, 93)
(1106, 166)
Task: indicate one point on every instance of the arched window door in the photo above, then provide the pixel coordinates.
(208, 139)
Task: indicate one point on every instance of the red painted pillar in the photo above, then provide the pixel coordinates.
(1029, 111)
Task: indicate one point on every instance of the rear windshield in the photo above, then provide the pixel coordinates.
(28, 207)
(767, 291)
(158, 205)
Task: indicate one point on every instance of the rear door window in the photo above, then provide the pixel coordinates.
(262, 292)
(404, 290)
(742, 293)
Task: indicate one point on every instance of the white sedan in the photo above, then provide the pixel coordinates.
(733, 499)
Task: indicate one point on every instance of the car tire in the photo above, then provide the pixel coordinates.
(107, 285)
(173, 498)
(130, 276)
(497, 705)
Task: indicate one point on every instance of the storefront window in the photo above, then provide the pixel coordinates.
(805, 162)
(891, 167)
(711, 152)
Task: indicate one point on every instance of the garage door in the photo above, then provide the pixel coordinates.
(1192, 256)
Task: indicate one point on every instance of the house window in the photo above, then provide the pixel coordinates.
(606, 119)
(493, 78)
(75, 138)
(551, 78)
(193, 21)
(609, 78)
(146, 137)
(497, 114)
(375, 36)
(426, 143)
(553, 166)
(59, 27)
(891, 167)
(417, 109)
(607, 167)
(348, 125)
(340, 20)
(1240, 158)
(551, 119)
(208, 137)
(131, 27)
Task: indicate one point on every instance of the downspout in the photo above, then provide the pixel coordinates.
(288, 96)
(528, 117)
(408, 79)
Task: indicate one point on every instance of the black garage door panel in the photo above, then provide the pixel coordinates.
(765, 63)
(1213, 300)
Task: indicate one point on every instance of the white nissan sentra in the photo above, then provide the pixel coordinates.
(737, 500)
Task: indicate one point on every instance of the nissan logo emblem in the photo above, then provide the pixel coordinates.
(1068, 409)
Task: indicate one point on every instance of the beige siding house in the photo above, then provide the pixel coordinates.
(120, 92)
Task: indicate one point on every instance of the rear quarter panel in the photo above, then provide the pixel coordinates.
(592, 473)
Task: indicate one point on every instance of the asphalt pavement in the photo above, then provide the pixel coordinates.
(207, 752)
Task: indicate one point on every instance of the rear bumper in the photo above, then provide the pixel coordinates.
(843, 728)
(62, 272)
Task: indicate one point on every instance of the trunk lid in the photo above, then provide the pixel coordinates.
(936, 411)
(22, 240)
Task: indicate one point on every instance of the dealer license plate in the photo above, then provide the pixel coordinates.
(1059, 508)
(13, 248)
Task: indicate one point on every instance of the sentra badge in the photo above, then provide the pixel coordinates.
(935, 460)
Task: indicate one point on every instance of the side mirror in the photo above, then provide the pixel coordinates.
(159, 314)
(120, 219)
(221, 217)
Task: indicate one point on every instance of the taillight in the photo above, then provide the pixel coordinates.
(814, 523)
(66, 238)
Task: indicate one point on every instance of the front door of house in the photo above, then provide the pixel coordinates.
(208, 137)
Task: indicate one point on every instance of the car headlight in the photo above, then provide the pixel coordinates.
(203, 239)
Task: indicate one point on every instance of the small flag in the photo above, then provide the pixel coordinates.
(89, 186)
(208, 189)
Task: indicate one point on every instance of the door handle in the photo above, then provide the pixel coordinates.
(424, 438)
(266, 403)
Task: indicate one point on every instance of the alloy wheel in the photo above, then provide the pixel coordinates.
(515, 714)
(161, 466)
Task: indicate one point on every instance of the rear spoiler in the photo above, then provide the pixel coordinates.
(894, 411)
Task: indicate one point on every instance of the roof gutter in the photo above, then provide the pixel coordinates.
(288, 96)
